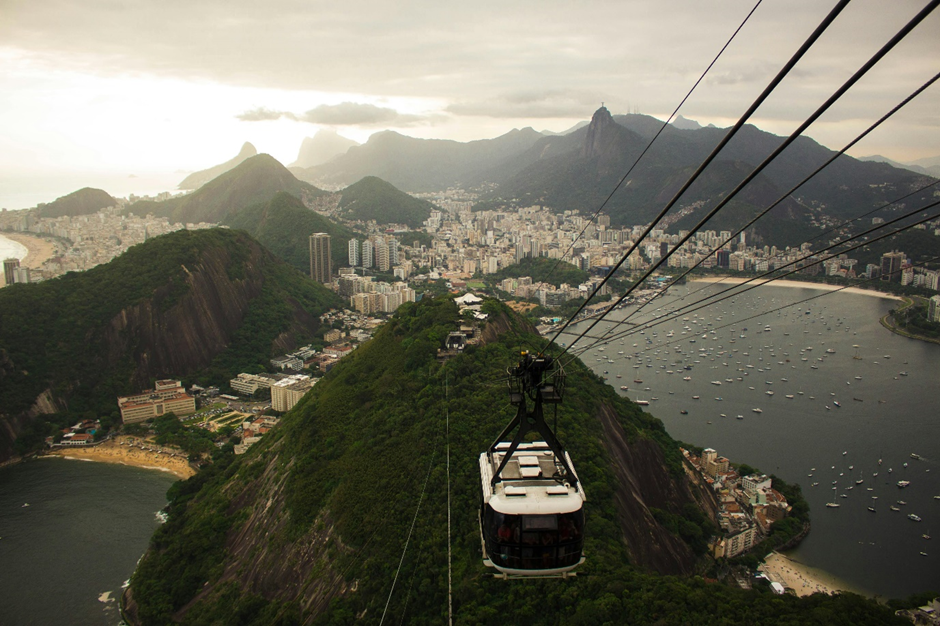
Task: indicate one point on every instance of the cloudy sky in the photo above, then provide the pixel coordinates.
(97, 91)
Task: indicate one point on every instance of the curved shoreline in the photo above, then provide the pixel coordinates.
(38, 250)
(122, 451)
(734, 280)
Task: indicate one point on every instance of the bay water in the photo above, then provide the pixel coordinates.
(850, 402)
(71, 533)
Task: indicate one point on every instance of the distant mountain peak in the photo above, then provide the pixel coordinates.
(684, 123)
(322, 147)
(601, 122)
(200, 178)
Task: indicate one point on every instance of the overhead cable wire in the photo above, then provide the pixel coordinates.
(814, 36)
(803, 301)
(652, 141)
(898, 37)
(793, 189)
(818, 236)
(769, 276)
(408, 540)
(705, 302)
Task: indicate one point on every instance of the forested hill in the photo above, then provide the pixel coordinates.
(374, 199)
(543, 270)
(310, 525)
(284, 225)
(85, 201)
(253, 181)
(190, 303)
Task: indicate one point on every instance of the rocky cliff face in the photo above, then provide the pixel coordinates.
(602, 124)
(187, 336)
(643, 483)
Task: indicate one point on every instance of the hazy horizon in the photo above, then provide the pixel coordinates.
(145, 89)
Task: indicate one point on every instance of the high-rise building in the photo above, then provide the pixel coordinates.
(321, 268)
(933, 309)
(891, 266)
(367, 255)
(393, 251)
(382, 260)
(353, 252)
(9, 270)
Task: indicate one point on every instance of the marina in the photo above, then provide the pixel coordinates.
(860, 434)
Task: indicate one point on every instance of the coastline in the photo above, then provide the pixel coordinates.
(733, 280)
(801, 578)
(129, 451)
(38, 250)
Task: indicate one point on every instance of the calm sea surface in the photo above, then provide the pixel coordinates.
(65, 557)
(884, 415)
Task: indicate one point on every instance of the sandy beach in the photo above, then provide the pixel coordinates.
(130, 451)
(40, 250)
(728, 280)
(802, 579)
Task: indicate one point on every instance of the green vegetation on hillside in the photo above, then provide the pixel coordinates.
(85, 201)
(284, 225)
(253, 181)
(367, 447)
(53, 333)
(374, 199)
(542, 270)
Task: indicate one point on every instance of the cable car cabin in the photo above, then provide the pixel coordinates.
(531, 524)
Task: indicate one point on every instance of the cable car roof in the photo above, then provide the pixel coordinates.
(526, 485)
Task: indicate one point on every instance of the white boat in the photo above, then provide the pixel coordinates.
(757, 410)
(903, 483)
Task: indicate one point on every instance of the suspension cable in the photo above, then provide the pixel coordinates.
(901, 34)
(816, 34)
(408, 540)
(651, 142)
(703, 302)
(787, 194)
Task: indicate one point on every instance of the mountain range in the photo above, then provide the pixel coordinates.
(253, 181)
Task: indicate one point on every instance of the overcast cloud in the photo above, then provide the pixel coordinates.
(440, 69)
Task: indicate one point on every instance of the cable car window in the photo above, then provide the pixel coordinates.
(540, 522)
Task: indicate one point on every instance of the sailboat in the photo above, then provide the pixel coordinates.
(872, 507)
(833, 504)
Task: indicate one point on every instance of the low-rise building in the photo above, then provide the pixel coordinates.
(168, 396)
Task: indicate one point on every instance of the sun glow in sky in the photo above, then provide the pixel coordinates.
(94, 91)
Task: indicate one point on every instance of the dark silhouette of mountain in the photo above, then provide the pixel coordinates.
(82, 202)
(283, 225)
(578, 171)
(200, 178)
(210, 302)
(374, 199)
(419, 164)
(254, 181)
(320, 148)
(684, 123)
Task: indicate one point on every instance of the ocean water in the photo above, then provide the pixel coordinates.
(11, 249)
(65, 556)
(24, 191)
(884, 415)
